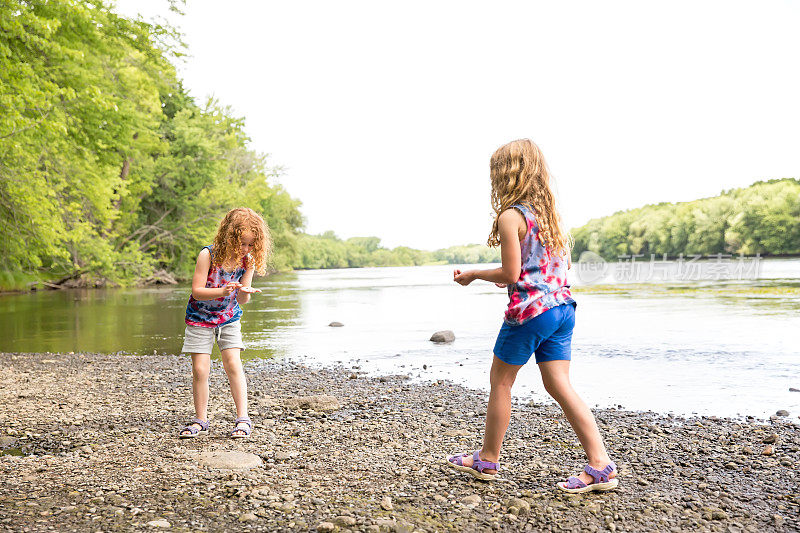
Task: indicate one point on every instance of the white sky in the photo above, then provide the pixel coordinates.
(385, 114)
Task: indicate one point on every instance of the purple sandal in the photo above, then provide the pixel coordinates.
(193, 431)
(477, 468)
(600, 480)
(247, 430)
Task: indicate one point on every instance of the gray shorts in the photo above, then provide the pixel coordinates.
(201, 340)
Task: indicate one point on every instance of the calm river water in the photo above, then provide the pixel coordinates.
(684, 346)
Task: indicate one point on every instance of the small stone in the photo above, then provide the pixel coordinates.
(386, 504)
(285, 456)
(443, 336)
(344, 521)
(324, 403)
(247, 517)
(7, 442)
(719, 515)
(335, 325)
(229, 460)
(771, 439)
(521, 505)
(643, 482)
(792, 389)
(457, 433)
(159, 523)
(747, 450)
(472, 500)
(768, 450)
(782, 412)
(325, 526)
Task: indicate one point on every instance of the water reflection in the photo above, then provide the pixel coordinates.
(133, 320)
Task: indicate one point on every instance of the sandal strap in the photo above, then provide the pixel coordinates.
(480, 465)
(202, 423)
(600, 476)
(458, 459)
(574, 483)
(243, 420)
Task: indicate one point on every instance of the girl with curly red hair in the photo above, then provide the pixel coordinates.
(221, 282)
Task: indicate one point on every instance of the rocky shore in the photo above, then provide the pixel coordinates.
(90, 444)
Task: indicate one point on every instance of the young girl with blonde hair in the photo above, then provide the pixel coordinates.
(221, 282)
(540, 316)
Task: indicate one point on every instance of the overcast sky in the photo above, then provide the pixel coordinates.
(385, 114)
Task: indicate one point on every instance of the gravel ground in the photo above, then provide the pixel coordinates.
(98, 434)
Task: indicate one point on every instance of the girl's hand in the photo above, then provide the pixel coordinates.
(464, 278)
(231, 286)
(249, 290)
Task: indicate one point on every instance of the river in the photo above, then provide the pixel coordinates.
(725, 347)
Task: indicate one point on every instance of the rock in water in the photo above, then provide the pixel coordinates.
(443, 336)
(782, 412)
(335, 325)
(229, 460)
(322, 402)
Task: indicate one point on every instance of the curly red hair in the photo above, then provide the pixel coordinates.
(228, 240)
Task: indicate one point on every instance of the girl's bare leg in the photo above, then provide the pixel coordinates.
(232, 363)
(555, 376)
(201, 363)
(498, 412)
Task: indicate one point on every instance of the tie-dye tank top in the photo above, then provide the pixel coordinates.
(542, 283)
(220, 311)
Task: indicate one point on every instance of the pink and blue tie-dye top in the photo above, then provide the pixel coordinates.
(542, 282)
(220, 311)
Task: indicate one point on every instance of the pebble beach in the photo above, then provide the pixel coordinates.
(89, 443)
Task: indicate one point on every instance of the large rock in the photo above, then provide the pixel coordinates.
(443, 336)
(229, 460)
(323, 403)
(7, 441)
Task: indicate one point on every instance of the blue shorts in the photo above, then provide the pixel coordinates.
(548, 335)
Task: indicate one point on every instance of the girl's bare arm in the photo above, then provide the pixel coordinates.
(511, 224)
(199, 289)
(244, 294)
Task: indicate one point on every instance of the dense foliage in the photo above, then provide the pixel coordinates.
(108, 169)
(111, 172)
(763, 218)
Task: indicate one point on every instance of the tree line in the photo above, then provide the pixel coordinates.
(763, 218)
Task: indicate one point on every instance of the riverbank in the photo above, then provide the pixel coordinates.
(99, 434)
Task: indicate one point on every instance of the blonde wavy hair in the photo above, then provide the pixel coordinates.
(228, 240)
(520, 175)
